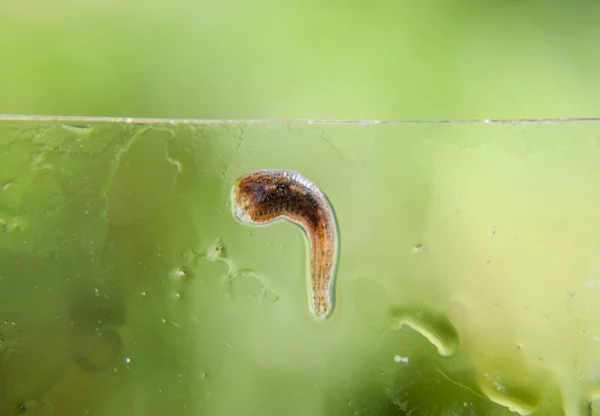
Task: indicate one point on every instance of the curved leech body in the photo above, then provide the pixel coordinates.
(265, 196)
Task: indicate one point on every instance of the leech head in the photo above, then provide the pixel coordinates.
(246, 196)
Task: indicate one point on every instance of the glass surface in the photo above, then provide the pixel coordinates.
(468, 280)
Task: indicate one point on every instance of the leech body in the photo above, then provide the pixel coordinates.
(265, 196)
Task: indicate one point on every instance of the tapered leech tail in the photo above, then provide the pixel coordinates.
(265, 196)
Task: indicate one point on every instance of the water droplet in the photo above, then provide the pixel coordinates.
(521, 400)
(143, 293)
(6, 186)
(177, 295)
(418, 248)
(434, 326)
(127, 360)
(96, 291)
(163, 320)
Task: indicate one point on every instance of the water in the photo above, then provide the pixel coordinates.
(469, 254)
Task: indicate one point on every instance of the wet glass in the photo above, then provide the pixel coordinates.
(468, 278)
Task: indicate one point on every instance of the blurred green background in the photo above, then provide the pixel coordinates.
(380, 59)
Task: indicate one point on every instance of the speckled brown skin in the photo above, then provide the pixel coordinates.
(265, 196)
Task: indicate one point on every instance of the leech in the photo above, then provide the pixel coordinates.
(266, 196)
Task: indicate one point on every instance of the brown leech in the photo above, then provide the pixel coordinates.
(265, 196)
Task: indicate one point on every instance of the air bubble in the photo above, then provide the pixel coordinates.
(177, 273)
(400, 359)
(27, 406)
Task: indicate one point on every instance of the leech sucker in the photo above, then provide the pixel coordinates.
(265, 196)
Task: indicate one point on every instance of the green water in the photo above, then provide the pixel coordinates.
(467, 285)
